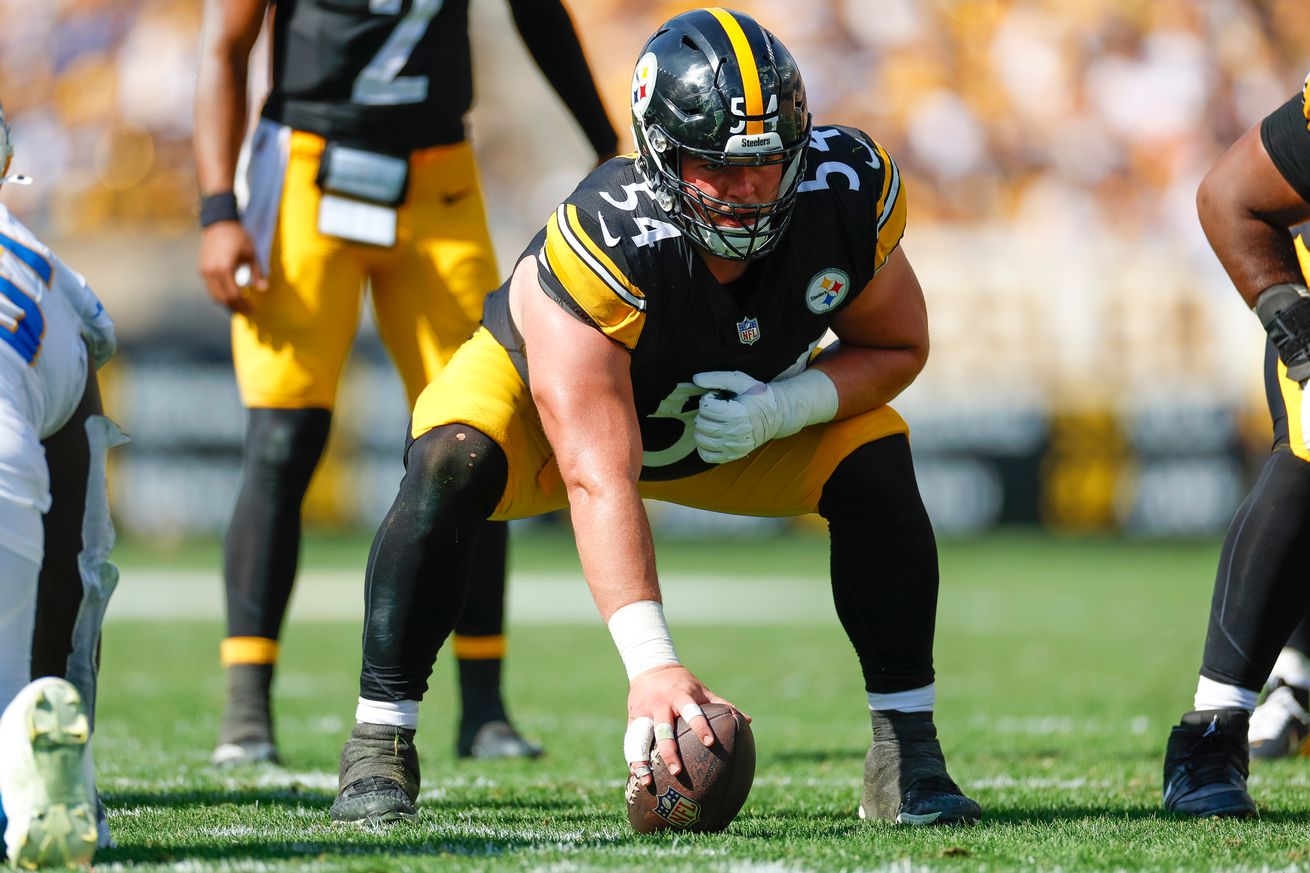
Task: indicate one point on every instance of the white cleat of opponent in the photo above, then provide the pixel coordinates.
(45, 782)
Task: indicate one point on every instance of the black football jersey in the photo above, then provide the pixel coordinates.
(610, 256)
(387, 75)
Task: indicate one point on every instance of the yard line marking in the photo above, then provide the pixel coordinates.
(534, 598)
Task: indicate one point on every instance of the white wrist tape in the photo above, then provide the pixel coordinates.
(642, 637)
(807, 398)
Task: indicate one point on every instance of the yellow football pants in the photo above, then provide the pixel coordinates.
(481, 388)
(427, 289)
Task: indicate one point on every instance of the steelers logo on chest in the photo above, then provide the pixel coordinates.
(827, 290)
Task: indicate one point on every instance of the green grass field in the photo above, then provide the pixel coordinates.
(1061, 666)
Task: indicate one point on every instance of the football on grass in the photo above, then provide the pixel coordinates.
(709, 792)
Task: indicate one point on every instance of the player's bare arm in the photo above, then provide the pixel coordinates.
(589, 416)
(1246, 207)
(228, 34)
(548, 32)
(883, 340)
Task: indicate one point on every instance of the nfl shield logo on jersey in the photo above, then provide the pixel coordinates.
(748, 330)
(827, 290)
(677, 810)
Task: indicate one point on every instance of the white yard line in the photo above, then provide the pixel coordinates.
(534, 598)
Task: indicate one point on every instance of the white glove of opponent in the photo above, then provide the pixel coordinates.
(731, 428)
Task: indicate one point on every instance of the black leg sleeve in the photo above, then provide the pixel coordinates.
(484, 608)
(884, 564)
(59, 589)
(282, 449)
(418, 569)
(1262, 588)
(1300, 638)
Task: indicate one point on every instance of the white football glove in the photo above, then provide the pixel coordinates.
(728, 428)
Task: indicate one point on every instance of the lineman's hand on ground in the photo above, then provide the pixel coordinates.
(225, 248)
(655, 700)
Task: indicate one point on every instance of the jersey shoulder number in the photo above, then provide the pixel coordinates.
(845, 159)
(598, 251)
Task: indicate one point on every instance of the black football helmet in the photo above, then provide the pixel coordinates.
(713, 84)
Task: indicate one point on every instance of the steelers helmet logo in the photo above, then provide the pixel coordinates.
(827, 290)
(643, 83)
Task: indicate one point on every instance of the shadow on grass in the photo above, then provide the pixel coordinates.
(566, 800)
(813, 756)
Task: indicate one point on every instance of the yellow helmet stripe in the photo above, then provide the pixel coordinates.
(750, 74)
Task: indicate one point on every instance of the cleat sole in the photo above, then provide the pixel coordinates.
(63, 832)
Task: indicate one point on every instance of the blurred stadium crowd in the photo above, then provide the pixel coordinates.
(998, 110)
(1051, 149)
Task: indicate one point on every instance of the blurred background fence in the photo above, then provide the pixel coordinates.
(1092, 369)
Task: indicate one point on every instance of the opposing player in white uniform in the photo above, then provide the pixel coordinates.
(55, 537)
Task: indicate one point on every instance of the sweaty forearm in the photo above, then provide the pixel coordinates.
(1256, 253)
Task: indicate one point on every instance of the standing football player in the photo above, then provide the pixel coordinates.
(55, 539)
(657, 339)
(1247, 203)
(359, 172)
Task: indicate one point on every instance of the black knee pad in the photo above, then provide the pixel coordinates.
(455, 470)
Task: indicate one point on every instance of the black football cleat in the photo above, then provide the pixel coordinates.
(1205, 765)
(1280, 725)
(905, 778)
(494, 739)
(379, 777)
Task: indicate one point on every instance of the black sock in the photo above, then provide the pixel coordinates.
(247, 718)
(479, 686)
(480, 631)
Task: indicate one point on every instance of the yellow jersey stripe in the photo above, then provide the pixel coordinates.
(247, 650)
(1302, 254)
(891, 186)
(624, 289)
(1292, 401)
(595, 291)
(480, 648)
(750, 74)
(1305, 101)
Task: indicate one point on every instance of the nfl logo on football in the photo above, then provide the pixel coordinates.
(677, 810)
(748, 330)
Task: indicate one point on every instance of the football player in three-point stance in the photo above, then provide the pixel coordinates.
(359, 171)
(1247, 203)
(657, 339)
(55, 539)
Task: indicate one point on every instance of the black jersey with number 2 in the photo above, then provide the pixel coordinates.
(388, 75)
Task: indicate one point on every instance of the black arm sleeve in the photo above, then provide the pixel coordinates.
(1286, 137)
(549, 35)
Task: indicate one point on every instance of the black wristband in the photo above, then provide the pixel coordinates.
(1285, 314)
(218, 207)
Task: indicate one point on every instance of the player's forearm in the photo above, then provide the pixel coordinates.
(614, 545)
(552, 41)
(229, 32)
(220, 122)
(1256, 252)
(867, 378)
